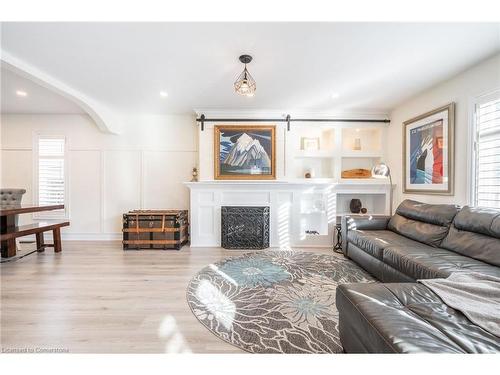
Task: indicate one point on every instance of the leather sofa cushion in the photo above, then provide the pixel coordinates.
(375, 241)
(437, 214)
(427, 223)
(475, 233)
(429, 234)
(376, 267)
(405, 318)
(479, 220)
(430, 263)
(473, 245)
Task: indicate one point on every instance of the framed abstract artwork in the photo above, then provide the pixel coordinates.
(428, 152)
(244, 152)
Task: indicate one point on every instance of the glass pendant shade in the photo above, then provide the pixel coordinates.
(245, 84)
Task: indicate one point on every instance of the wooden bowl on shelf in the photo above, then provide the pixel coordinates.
(356, 173)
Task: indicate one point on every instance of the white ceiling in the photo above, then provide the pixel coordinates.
(297, 66)
(38, 100)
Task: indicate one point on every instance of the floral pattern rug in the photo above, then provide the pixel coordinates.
(274, 301)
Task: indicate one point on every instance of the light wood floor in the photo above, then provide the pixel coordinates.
(95, 298)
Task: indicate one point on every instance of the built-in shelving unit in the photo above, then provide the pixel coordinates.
(339, 148)
(304, 211)
(303, 158)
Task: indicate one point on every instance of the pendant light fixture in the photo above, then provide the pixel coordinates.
(245, 84)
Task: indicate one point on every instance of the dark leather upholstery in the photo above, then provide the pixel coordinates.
(437, 214)
(352, 223)
(476, 233)
(420, 241)
(480, 220)
(427, 223)
(448, 240)
(430, 234)
(431, 263)
(375, 241)
(376, 267)
(405, 318)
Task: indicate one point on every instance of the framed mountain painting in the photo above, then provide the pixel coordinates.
(244, 152)
(428, 144)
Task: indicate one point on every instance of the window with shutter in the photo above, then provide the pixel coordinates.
(51, 173)
(486, 189)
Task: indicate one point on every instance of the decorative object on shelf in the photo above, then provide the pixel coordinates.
(155, 229)
(245, 84)
(364, 210)
(383, 171)
(429, 152)
(310, 173)
(309, 144)
(357, 144)
(244, 152)
(355, 206)
(194, 173)
(356, 173)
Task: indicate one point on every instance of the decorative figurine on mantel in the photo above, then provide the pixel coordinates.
(195, 175)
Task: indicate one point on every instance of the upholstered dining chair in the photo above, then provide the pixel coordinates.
(11, 197)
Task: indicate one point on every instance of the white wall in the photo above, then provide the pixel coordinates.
(143, 167)
(461, 89)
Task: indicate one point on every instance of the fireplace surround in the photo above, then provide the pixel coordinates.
(293, 208)
(245, 227)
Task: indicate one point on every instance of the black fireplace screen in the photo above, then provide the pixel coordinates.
(244, 227)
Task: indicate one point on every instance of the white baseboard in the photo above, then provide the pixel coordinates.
(92, 236)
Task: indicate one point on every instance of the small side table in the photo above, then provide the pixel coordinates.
(338, 233)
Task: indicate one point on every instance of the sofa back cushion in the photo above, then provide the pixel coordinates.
(475, 233)
(426, 223)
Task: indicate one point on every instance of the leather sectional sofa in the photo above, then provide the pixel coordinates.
(421, 241)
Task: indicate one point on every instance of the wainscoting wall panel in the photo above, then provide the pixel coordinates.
(122, 188)
(84, 177)
(108, 174)
(163, 174)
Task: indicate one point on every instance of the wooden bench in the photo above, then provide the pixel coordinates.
(10, 235)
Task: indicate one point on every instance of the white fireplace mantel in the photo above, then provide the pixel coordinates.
(296, 206)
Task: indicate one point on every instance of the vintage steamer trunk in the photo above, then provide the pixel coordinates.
(155, 229)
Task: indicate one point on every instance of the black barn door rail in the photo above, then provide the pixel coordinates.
(202, 119)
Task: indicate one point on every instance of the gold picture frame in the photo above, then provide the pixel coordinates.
(263, 135)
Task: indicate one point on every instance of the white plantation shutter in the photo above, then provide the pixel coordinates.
(487, 154)
(51, 173)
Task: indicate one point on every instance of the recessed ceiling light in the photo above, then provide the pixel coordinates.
(21, 93)
(335, 95)
(163, 94)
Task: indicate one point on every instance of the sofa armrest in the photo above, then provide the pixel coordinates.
(364, 222)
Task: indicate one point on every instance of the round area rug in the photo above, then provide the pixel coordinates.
(274, 301)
